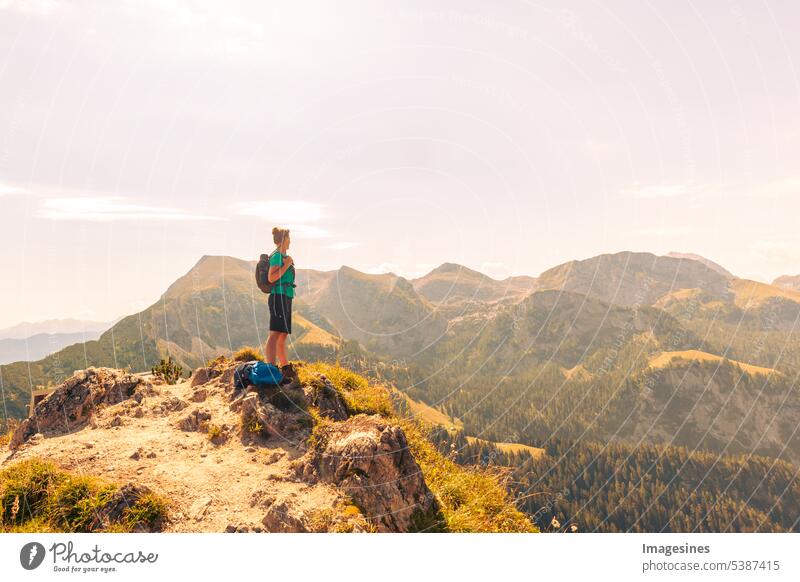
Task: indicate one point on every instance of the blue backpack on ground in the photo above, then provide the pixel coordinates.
(263, 373)
(241, 375)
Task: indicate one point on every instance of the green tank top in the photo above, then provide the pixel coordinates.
(284, 285)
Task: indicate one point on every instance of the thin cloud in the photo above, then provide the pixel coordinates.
(307, 231)
(9, 190)
(657, 191)
(667, 231)
(281, 211)
(782, 188)
(291, 214)
(109, 209)
(342, 245)
(779, 251)
(40, 7)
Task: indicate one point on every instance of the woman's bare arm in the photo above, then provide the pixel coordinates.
(276, 272)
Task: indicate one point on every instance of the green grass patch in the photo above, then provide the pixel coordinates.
(359, 396)
(343, 379)
(37, 496)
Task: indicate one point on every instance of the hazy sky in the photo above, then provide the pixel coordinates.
(137, 136)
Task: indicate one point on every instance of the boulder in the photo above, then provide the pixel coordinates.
(262, 417)
(72, 403)
(174, 404)
(200, 395)
(368, 458)
(282, 517)
(321, 394)
(204, 376)
(194, 420)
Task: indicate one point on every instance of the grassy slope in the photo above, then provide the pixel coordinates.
(471, 499)
(535, 452)
(664, 359)
(429, 414)
(752, 292)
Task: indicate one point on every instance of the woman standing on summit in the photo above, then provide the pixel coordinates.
(281, 273)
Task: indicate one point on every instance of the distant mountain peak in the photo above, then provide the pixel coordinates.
(790, 282)
(449, 268)
(707, 262)
(454, 269)
(633, 278)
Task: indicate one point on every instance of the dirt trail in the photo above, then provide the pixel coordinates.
(210, 486)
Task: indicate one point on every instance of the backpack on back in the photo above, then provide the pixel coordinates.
(262, 275)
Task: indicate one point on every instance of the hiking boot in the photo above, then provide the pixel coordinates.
(288, 371)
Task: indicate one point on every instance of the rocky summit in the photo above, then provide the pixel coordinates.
(231, 460)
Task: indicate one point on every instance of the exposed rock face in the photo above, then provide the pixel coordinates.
(200, 395)
(203, 376)
(369, 459)
(70, 406)
(263, 417)
(282, 517)
(194, 420)
(323, 395)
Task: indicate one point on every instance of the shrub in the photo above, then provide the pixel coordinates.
(218, 362)
(11, 426)
(342, 518)
(215, 433)
(248, 354)
(168, 371)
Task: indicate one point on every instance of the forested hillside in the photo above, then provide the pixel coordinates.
(616, 487)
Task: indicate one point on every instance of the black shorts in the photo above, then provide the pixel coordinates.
(280, 313)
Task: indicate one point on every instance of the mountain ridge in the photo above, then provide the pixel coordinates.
(326, 453)
(28, 329)
(791, 282)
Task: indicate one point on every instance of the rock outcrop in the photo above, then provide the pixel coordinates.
(262, 417)
(283, 518)
(352, 474)
(72, 403)
(321, 394)
(194, 420)
(368, 458)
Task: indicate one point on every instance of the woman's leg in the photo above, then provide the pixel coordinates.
(271, 347)
(283, 357)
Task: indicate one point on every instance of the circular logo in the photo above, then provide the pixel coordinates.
(31, 555)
